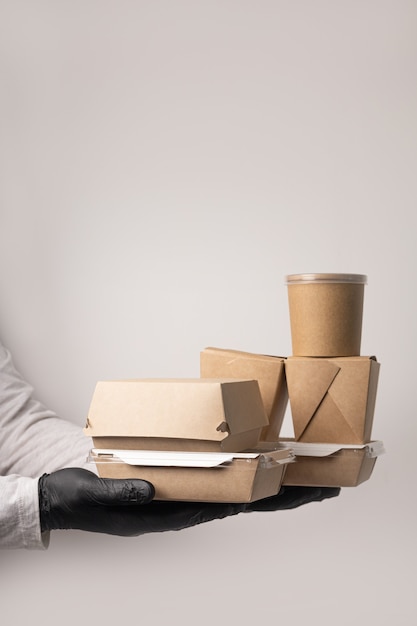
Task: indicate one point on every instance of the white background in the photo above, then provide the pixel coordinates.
(163, 166)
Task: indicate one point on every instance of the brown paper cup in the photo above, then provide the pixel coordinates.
(326, 313)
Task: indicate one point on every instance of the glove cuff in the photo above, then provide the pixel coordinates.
(44, 504)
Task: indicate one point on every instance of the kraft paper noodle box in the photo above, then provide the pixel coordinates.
(201, 477)
(332, 400)
(268, 370)
(176, 414)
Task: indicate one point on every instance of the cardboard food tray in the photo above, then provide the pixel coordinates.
(330, 465)
(198, 477)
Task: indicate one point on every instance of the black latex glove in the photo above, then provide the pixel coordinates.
(76, 498)
(160, 516)
(293, 497)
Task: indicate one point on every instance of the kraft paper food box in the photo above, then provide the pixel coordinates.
(268, 370)
(185, 436)
(330, 465)
(332, 399)
(199, 476)
(176, 414)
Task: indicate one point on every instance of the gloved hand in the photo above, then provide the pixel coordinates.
(76, 498)
(293, 497)
(160, 516)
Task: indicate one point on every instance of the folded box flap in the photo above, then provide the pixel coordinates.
(243, 406)
(237, 357)
(308, 382)
(351, 389)
(268, 370)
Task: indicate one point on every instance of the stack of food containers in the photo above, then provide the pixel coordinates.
(193, 439)
(218, 438)
(331, 387)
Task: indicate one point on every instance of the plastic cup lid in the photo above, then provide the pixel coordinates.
(326, 278)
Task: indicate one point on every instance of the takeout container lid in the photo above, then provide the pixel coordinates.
(371, 449)
(293, 279)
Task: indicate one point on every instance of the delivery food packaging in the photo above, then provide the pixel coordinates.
(268, 370)
(176, 414)
(199, 476)
(326, 312)
(330, 465)
(332, 400)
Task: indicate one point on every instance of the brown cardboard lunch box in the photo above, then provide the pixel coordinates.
(332, 400)
(199, 477)
(268, 370)
(176, 414)
(330, 465)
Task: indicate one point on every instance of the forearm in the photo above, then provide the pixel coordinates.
(33, 439)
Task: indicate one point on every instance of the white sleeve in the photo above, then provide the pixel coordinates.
(19, 514)
(33, 440)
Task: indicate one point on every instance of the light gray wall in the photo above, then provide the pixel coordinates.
(163, 166)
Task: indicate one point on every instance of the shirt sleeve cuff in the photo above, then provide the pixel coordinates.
(20, 527)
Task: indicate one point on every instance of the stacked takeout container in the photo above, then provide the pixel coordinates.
(193, 439)
(217, 438)
(332, 388)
